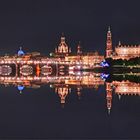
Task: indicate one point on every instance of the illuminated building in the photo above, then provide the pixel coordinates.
(26, 70)
(63, 71)
(109, 96)
(109, 49)
(20, 52)
(126, 52)
(63, 49)
(126, 88)
(120, 88)
(86, 61)
(121, 51)
(62, 91)
(78, 80)
(92, 60)
(5, 70)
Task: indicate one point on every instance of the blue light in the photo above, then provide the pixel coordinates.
(20, 87)
(20, 52)
(104, 64)
(104, 76)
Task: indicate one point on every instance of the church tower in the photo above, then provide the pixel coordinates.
(79, 51)
(109, 49)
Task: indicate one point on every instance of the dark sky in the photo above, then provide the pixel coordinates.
(38, 24)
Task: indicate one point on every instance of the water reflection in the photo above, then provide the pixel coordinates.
(64, 83)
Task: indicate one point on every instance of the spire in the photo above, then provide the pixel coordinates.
(62, 38)
(109, 110)
(119, 43)
(79, 51)
(109, 29)
(119, 97)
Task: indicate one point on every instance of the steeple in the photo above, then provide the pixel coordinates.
(79, 51)
(109, 49)
(119, 43)
(62, 38)
(109, 29)
(119, 97)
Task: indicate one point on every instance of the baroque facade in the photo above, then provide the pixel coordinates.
(121, 51)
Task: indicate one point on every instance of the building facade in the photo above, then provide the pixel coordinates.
(121, 51)
(62, 50)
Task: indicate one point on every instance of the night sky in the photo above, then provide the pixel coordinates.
(37, 26)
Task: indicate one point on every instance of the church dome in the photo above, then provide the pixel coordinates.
(20, 52)
(20, 88)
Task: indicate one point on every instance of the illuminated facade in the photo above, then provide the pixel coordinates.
(121, 51)
(63, 49)
(109, 49)
(64, 83)
(65, 71)
(126, 52)
(109, 96)
(120, 88)
(127, 88)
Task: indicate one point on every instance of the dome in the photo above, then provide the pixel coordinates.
(20, 52)
(20, 88)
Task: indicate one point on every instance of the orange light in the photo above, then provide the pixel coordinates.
(38, 70)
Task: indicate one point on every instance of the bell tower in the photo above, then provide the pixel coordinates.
(109, 49)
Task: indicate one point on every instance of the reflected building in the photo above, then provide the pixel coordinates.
(126, 88)
(63, 84)
(120, 88)
(109, 96)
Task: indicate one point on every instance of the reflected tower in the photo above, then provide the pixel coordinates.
(109, 96)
